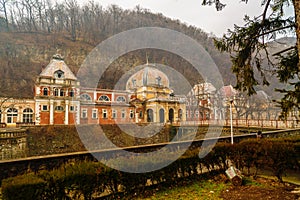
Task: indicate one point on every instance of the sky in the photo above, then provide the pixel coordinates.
(193, 13)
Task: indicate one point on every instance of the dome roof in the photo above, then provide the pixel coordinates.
(148, 76)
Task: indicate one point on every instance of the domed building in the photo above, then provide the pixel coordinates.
(152, 97)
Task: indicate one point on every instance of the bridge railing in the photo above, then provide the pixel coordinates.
(247, 123)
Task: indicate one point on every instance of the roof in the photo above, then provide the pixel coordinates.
(148, 76)
(228, 91)
(57, 64)
(202, 89)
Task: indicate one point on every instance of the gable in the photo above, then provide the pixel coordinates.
(57, 68)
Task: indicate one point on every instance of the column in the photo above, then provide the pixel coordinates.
(67, 113)
(77, 113)
(37, 113)
(51, 112)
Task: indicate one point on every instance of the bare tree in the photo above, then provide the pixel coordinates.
(73, 15)
(3, 8)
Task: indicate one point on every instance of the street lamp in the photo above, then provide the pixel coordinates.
(231, 128)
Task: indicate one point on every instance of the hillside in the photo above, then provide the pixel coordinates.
(26, 48)
(29, 43)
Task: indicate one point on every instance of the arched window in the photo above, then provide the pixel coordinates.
(149, 115)
(121, 99)
(45, 91)
(27, 115)
(72, 93)
(59, 74)
(171, 115)
(131, 115)
(104, 98)
(180, 114)
(59, 108)
(56, 92)
(161, 115)
(61, 92)
(12, 114)
(85, 97)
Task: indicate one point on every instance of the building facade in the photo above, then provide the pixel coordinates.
(60, 100)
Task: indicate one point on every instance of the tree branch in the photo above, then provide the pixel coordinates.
(274, 30)
(284, 50)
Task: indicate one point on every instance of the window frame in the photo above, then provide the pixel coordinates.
(95, 113)
(104, 98)
(84, 113)
(104, 114)
(121, 99)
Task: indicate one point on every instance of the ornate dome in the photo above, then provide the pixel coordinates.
(148, 76)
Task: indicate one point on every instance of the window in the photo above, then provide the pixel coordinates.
(131, 114)
(197, 114)
(114, 114)
(95, 114)
(141, 114)
(45, 91)
(62, 92)
(84, 113)
(59, 108)
(123, 114)
(12, 115)
(27, 115)
(71, 93)
(59, 74)
(72, 108)
(44, 107)
(158, 79)
(150, 115)
(121, 99)
(56, 92)
(85, 97)
(180, 114)
(104, 98)
(104, 113)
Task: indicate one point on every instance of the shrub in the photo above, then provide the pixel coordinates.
(28, 186)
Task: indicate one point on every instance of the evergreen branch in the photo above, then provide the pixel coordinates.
(284, 50)
(275, 30)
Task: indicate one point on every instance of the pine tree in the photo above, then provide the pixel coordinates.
(246, 44)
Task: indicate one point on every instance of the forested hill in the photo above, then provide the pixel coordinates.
(36, 30)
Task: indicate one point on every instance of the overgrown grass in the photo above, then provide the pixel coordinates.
(198, 189)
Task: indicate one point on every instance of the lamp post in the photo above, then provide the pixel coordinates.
(231, 128)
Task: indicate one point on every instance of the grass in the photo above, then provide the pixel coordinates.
(200, 189)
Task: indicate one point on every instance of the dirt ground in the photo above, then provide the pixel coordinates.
(262, 188)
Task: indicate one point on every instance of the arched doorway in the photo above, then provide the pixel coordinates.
(12, 115)
(171, 115)
(161, 115)
(149, 115)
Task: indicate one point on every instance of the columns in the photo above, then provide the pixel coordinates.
(51, 112)
(77, 110)
(67, 112)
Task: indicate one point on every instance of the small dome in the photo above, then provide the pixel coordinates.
(148, 76)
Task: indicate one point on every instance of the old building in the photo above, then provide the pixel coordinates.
(147, 97)
(153, 99)
(59, 99)
(57, 94)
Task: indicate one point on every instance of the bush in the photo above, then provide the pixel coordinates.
(28, 186)
(87, 178)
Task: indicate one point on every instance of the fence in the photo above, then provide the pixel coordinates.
(247, 123)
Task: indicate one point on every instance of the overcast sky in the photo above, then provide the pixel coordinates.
(193, 13)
